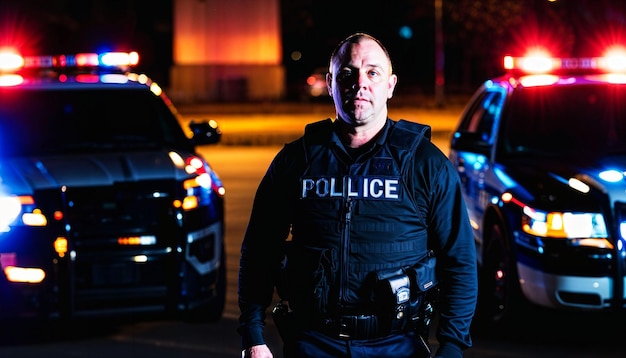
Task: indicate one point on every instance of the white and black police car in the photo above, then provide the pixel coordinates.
(541, 153)
(105, 206)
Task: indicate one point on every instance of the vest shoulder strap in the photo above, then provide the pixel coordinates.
(407, 135)
(316, 134)
(404, 138)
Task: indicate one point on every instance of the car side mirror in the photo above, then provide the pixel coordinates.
(205, 132)
(470, 142)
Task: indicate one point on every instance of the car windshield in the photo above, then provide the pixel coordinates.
(64, 121)
(565, 121)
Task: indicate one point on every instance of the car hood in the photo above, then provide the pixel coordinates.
(25, 174)
(554, 181)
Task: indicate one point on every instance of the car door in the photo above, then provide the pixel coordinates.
(472, 147)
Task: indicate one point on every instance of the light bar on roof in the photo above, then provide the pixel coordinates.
(614, 61)
(12, 61)
(119, 58)
(105, 59)
(86, 59)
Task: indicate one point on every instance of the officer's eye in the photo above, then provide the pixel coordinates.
(373, 74)
(344, 75)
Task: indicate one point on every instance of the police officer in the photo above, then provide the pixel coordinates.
(343, 224)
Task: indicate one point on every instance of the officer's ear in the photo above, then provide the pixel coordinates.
(393, 80)
(329, 81)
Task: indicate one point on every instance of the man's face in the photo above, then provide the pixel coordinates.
(361, 83)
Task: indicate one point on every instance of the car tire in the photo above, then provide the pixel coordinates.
(213, 311)
(216, 308)
(500, 297)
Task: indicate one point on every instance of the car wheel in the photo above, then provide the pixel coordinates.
(213, 311)
(216, 308)
(499, 293)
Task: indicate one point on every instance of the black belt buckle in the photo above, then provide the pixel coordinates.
(345, 326)
(357, 327)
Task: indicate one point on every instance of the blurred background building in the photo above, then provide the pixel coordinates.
(226, 51)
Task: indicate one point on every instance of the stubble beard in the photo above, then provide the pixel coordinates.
(361, 113)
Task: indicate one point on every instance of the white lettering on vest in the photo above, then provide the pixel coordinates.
(370, 187)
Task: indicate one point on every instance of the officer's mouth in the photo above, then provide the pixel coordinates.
(357, 101)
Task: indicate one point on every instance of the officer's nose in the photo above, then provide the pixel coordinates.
(361, 81)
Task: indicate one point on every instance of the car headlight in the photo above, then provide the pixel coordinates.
(563, 224)
(10, 209)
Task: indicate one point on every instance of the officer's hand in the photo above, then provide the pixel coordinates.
(260, 351)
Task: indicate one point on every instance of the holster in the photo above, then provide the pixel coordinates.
(403, 298)
(423, 294)
(284, 320)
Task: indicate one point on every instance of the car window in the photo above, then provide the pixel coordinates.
(482, 115)
(62, 121)
(583, 120)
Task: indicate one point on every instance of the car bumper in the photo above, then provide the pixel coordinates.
(566, 292)
(555, 273)
(116, 281)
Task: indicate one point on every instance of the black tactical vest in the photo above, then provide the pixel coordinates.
(352, 218)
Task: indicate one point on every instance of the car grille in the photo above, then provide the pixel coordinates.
(108, 275)
(118, 210)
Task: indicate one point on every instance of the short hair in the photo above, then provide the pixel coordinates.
(340, 50)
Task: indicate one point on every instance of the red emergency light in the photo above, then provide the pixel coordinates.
(540, 62)
(11, 61)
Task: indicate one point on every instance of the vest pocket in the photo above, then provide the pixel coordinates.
(308, 278)
(322, 281)
(423, 274)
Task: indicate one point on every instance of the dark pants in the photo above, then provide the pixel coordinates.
(318, 345)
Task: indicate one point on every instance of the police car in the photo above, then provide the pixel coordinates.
(541, 153)
(105, 206)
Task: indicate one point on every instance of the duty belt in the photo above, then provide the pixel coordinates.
(358, 327)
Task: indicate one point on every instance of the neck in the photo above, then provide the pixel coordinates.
(357, 136)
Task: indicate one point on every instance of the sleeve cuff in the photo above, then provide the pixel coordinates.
(252, 337)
